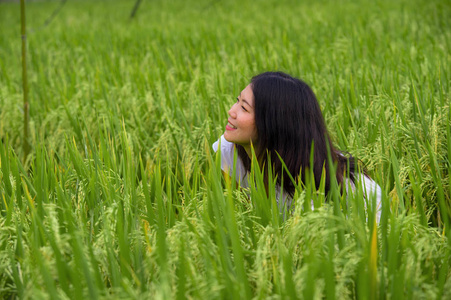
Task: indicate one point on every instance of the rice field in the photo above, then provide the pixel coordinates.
(121, 195)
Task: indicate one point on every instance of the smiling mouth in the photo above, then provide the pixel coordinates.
(231, 125)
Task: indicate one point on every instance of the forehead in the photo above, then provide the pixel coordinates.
(247, 95)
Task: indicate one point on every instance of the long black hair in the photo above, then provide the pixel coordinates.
(290, 124)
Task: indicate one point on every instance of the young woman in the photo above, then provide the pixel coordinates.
(278, 115)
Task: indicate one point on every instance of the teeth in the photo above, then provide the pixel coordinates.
(234, 127)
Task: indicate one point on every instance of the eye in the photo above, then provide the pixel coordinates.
(242, 107)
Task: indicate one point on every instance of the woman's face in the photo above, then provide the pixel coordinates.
(240, 128)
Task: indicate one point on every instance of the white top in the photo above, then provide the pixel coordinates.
(370, 187)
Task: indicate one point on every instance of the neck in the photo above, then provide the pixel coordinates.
(248, 149)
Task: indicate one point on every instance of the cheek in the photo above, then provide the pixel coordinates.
(250, 123)
(252, 126)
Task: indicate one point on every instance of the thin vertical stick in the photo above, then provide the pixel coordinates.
(135, 9)
(26, 145)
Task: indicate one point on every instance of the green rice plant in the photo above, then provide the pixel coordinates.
(300, 257)
(25, 141)
(121, 196)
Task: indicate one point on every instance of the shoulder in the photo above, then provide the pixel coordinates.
(370, 185)
(226, 149)
(372, 191)
(226, 146)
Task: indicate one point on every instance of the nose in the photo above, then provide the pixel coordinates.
(232, 112)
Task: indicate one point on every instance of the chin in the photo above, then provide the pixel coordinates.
(227, 137)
